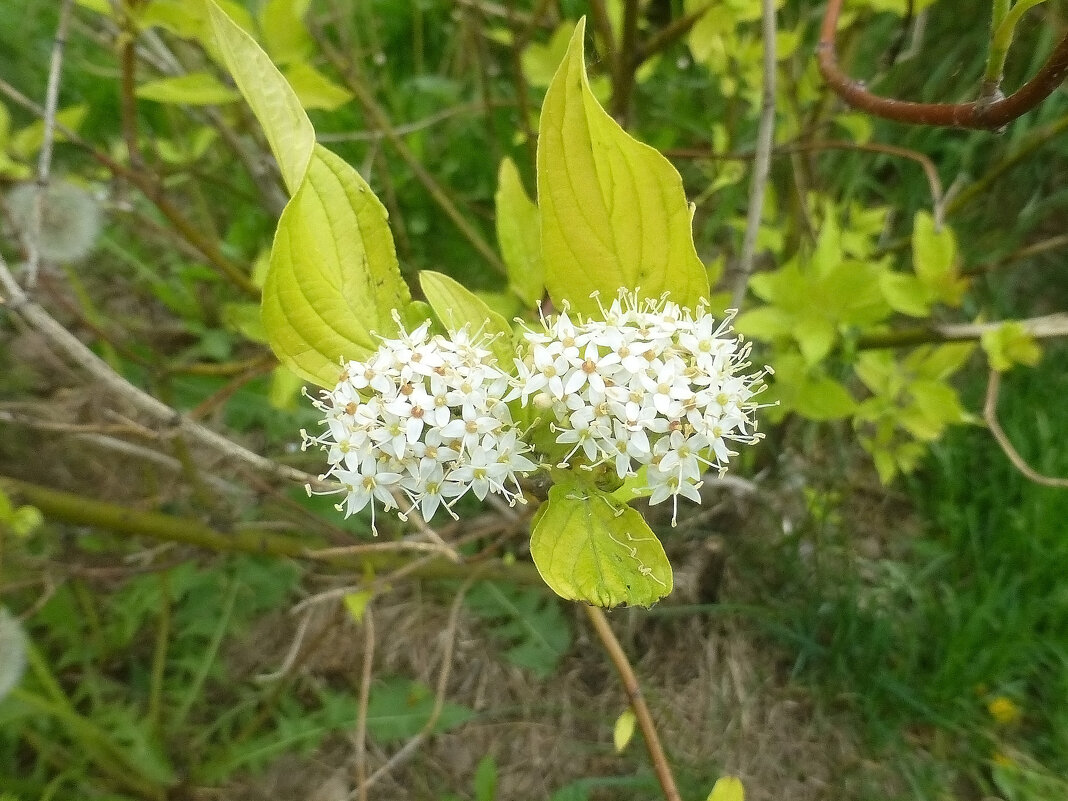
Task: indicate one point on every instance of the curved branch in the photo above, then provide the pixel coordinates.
(990, 414)
(979, 114)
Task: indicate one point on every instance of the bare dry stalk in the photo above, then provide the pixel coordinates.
(762, 162)
(637, 701)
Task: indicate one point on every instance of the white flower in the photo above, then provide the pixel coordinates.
(422, 418)
(649, 384)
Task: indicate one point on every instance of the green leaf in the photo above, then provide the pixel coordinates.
(398, 709)
(590, 548)
(531, 626)
(766, 323)
(727, 788)
(25, 521)
(275, 104)
(189, 19)
(194, 89)
(613, 210)
(932, 251)
(934, 258)
(823, 398)
(623, 731)
(245, 319)
(905, 293)
(27, 141)
(815, 337)
(519, 235)
(356, 604)
(334, 276)
(285, 35)
(315, 90)
(285, 389)
(1010, 344)
(457, 306)
(937, 363)
(806, 390)
(486, 779)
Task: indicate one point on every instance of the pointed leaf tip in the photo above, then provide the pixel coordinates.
(614, 212)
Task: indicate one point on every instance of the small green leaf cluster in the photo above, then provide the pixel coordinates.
(819, 305)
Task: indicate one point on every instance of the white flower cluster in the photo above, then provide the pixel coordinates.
(649, 385)
(422, 418)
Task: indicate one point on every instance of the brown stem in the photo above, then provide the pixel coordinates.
(380, 120)
(668, 35)
(979, 115)
(626, 63)
(990, 414)
(637, 701)
(359, 744)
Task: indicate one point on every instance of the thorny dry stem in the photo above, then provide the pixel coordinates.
(762, 162)
(982, 114)
(637, 701)
(990, 415)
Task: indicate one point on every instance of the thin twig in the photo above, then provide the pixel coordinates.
(409, 748)
(402, 130)
(84, 358)
(44, 158)
(360, 739)
(294, 651)
(637, 701)
(990, 414)
(938, 199)
(152, 189)
(380, 119)
(669, 34)
(762, 163)
(1050, 326)
(982, 114)
(626, 64)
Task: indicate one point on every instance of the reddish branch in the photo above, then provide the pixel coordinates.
(980, 114)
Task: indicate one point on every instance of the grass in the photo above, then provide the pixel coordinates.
(968, 623)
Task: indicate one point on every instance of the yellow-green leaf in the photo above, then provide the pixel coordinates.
(356, 604)
(27, 141)
(613, 210)
(519, 235)
(1009, 344)
(189, 19)
(589, 547)
(457, 306)
(275, 104)
(623, 731)
(285, 388)
(905, 293)
(315, 90)
(284, 33)
(727, 788)
(194, 89)
(334, 276)
(934, 258)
